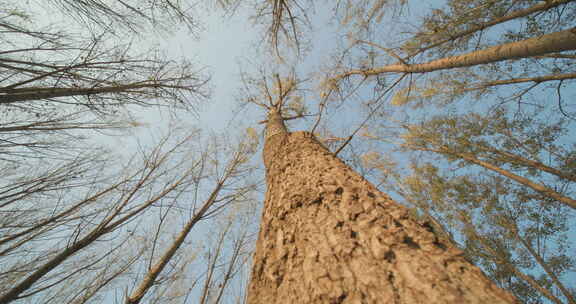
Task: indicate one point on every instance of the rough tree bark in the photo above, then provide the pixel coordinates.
(329, 236)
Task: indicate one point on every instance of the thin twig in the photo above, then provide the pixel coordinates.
(560, 101)
(369, 115)
(388, 51)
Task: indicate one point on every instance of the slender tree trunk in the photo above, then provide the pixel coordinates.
(538, 79)
(153, 273)
(542, 45)
(533, 164)
(546, 268)
(522, 180)
(517, 178)
(12, 293)
(482, 26)
(510, 266)
(329, 236)
(13, 96)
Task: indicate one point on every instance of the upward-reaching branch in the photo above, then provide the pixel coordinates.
(549, 43)
(476, 28)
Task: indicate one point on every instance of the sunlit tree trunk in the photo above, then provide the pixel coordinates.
(545, 44)
(535, 80)
(543, 6)
(329, 236)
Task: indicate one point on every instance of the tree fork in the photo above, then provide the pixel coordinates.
(329, 236)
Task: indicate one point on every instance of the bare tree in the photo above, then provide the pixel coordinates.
(57, 85)
(134, 16)
(102, 77)
(214, 204)
(80, 224)
(109, 212)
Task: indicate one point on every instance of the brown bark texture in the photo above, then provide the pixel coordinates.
(329, 236)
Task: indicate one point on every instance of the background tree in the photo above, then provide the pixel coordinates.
(507, 225)
(81, 224)
(135, 16)
(53, 82)
(45, 246)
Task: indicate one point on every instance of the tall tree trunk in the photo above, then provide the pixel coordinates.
(329, 236)
(542, 45)
(536, 80)
(153, 272)
(17, 95)
(546, 5)
(519, 179)
(546, 268)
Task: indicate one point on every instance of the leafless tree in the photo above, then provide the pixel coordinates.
(92, 223)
